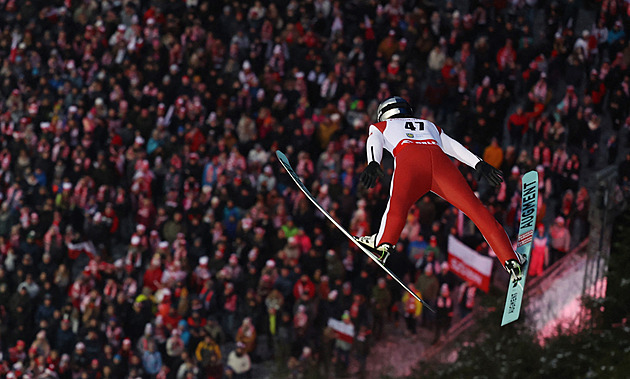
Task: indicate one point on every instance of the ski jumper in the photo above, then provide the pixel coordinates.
(421, 164)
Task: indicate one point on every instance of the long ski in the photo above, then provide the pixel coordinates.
(287, 166)
(527, 225)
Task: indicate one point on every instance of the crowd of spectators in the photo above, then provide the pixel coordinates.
(146, 229)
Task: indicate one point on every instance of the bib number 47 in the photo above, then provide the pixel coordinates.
(410, 125)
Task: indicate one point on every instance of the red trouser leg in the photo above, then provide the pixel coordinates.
(418, 169)
(411, 180)
(449, 184)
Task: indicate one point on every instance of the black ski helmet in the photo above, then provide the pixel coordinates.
(392, 107)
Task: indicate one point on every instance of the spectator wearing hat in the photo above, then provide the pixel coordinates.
(266, 181)
(161, 331)
(152, 277)
(568, 106)
(125, 352)
(175, 346)
(187, 366)
(45, 310)
(343, 346)
(79, 360)
(270, 269)
(301, 322)
(32, 288)
(304, 286)
(214, 329)
(239, 363)
(146, 339)
(246, 335)
(30, 246)
(35, 226)
(208, 355)
(134, 257)
(228, 311)
(582, 48)
(269, 324)
(145, 216)
(201, 274)
(615, 35)
(18, 352)
(434, 249)
(95, 370)
(20, 301)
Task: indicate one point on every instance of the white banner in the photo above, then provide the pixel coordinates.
(469, 264)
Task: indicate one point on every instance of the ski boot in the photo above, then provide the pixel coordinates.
(514, 268)
(381, 252)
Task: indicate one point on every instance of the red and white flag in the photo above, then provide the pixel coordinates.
(345, 332)
(469, 264)
(87, 247)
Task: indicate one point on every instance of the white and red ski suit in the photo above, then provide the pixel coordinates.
(421, 164)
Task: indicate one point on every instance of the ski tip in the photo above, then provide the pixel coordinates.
(425, 305)
(531, 175)
(280, 154)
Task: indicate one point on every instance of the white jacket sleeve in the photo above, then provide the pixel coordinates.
(459, 152)
(374, 145)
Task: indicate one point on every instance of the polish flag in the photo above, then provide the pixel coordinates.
(469, 264)
(87, 247)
